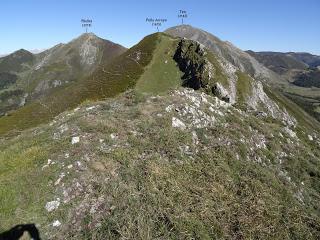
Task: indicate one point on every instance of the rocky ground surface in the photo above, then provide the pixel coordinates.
(179, 166)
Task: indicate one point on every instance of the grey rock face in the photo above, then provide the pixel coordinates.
(242, 60)
(233, 60)
(219, 91)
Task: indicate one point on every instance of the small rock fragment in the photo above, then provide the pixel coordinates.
(177, 123)
(56, 223)
(75, 140)
(113, 136)
(53, 205)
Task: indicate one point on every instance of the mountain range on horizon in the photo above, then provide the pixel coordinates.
(182, 136)
(36, 75)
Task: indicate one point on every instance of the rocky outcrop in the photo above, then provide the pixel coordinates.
(219, 91)
(225, 50)
(198, 70)
(225, 79)
(191, 61)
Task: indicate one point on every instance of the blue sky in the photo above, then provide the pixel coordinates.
(277, 25)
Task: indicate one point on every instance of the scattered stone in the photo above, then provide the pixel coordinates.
(113, 136)
(310, 137)
(195, 139)
(50, 162)
(63, 128)
(53, 205)
(75, 140)
(260, 141)
(284, 174)
(169, 108)
(298, 195)
(56, 223)
(177, 123)
(221, 92)
(291, 133)
(90, 108)
(61, 176)
(70, 166)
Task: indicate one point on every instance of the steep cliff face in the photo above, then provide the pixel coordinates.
(190, 58)
(225, 50)
(204, 70)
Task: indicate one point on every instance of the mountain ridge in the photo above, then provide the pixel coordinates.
(59, 66)
(122, 77)
(167, 140)
(223, 48)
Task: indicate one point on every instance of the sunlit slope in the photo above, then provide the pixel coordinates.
(221, 173)
(27, 77)
(162, 73)
(156, 64)
(107, 81)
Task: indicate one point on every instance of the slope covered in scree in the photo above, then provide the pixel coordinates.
(181, 165)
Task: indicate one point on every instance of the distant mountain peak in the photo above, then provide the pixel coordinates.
(21, 52)
(87, 37)
(226, 50)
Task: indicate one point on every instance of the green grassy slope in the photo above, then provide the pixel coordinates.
(162, 73)
(107, 81)
(302, 117)
(244, 86)
(146, 184)
(15, 62)
(38, 75)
